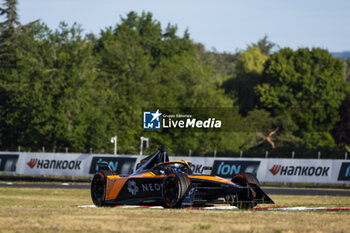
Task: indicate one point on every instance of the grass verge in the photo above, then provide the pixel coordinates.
(50, 210)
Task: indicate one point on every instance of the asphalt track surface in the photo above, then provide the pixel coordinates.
(268, 190)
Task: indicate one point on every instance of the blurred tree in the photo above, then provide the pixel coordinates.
(10, 30)
(251, 61)
(223, 64)
(309, 85)
(347, 70)
(143, 67)
(269, 132)
(62, 89)
(79, 122)
(10, 25)
(8, 33)
(49, 100)
(341, 131)
(250, 65)
(265, 46)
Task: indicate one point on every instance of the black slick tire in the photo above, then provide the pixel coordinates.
(98, 188)
(174, 189)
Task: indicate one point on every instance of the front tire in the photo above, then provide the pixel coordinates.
(174, 189)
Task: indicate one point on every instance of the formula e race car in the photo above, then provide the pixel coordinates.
(158, 181)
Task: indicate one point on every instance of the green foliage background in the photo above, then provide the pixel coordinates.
(61, 88)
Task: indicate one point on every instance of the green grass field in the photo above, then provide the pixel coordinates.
(50, 210)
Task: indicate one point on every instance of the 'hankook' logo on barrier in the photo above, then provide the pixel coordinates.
(132, 187)
(32, 162)
(278, 169)
(54, 164)
(275, 169)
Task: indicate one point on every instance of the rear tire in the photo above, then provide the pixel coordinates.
(98, 188)
(174, 189)
(245, 198)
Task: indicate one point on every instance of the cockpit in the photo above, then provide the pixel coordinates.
(160, 161)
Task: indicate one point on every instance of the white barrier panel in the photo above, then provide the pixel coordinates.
(63, 164)
(267, 170)
(53, 164)
(277, 170)
(300, 170)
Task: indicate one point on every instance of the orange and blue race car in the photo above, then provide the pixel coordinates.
(158, 181)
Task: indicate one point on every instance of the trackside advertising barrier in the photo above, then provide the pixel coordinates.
(63, 164)
(267, 170)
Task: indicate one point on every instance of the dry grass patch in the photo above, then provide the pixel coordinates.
(50, 210)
